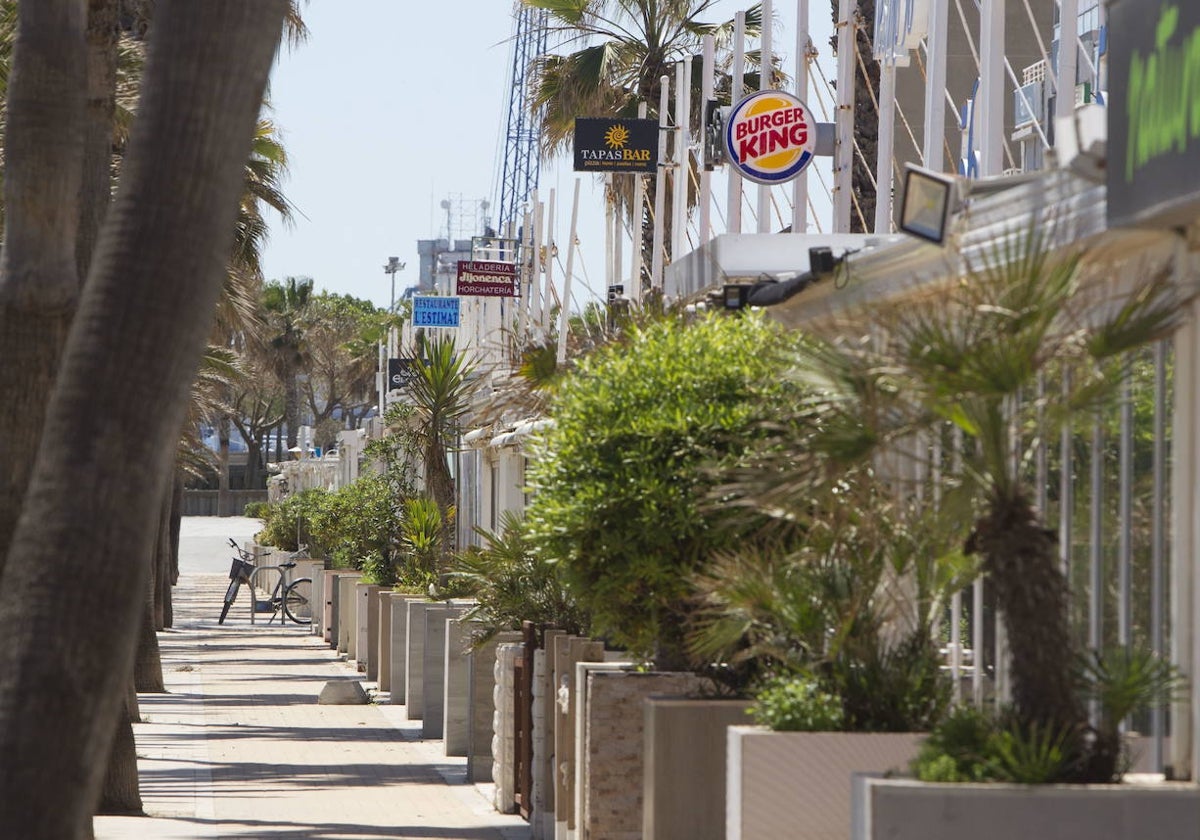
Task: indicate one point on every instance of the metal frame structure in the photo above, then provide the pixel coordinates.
(521, 157)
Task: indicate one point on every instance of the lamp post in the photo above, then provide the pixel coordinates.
(393, 265)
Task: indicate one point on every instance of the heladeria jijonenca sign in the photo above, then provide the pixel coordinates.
(611, 145)
(484, 278)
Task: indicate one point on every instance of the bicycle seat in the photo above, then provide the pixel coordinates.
(288, 564)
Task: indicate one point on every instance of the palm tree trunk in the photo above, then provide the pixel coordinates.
(147, 665)
(866, 123)
(43, 149)
(223, 504)
(172, 573)
(121, 793)
(101, 104)
(173, 217)
(1021, 560)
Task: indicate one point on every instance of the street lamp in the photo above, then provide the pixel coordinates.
(393, 265)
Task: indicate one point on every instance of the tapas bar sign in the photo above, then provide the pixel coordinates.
(612, 145)
(488, 279)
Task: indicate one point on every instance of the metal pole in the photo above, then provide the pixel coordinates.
(843, 166)
(990, 115)
(1096, 534)
(733, 209)
(527, 261)
(706, 95)
(564, 320)
(935, 85)
(1125, 538)
(800, 184)
(683, 87)
(536, 299)
(638, 226)
(1066, 489)
(766, 69)
(660, 184)
(887, 134)
(548, 288)
(1158, 544)
(1068, 59)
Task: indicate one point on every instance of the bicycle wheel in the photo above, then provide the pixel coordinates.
(266, 584)
(297, 601)
(230, 594)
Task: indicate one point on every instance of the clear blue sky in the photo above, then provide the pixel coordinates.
(392, 106)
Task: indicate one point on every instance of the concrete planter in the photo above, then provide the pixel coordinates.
(366, 646)
(684, 776)
(481, 666)
(347, 615)
(456, 713)
(414, 662)
(384, 640)
(399, 659)
(905, 809)
(503, 756)
(797, 784)
(433, 673)
(339, 581)
(612, 757)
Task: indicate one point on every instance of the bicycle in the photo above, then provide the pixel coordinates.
(292, 597)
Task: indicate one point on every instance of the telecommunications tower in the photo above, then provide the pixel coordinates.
(521, 159)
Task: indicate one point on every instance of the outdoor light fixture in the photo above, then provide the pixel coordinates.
(393, 265)
(735, 296)
(821, 260)
(929, 198)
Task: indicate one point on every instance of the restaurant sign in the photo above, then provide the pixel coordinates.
(614, 145)
(770, 136)
(429, 311)
(1153, 113)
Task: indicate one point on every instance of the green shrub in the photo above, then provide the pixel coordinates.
(511, 584)
(618, 481)
(357, 522)
(288, 522)
(890, 688)
(974, 746)
(798, 704)
(256, 510)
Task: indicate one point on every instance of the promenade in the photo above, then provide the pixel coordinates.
(239, 748)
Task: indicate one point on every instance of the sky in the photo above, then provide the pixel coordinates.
(390, 108)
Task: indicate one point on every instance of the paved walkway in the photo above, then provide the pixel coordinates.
(238, 747)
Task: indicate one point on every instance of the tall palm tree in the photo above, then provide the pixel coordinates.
(284, 307)
(970, 356)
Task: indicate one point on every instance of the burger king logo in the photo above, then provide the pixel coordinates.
(770, 136)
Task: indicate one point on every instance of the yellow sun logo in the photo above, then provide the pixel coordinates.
(616, 137)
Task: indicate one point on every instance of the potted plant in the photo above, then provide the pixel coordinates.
(618, 483)
(967, 357)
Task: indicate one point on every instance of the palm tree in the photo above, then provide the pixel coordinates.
(622, 48)
(441, 395)
(970, 356)
(284, 306)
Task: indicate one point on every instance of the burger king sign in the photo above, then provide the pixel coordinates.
(770, 136)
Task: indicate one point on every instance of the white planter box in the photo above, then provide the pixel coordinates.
(797, 784)
(905, 809)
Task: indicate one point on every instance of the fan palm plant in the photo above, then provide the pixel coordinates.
(970, 356)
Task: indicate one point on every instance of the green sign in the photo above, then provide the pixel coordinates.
(1154, 112)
